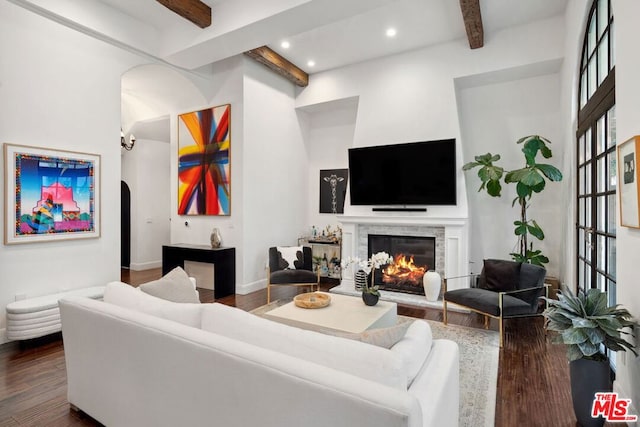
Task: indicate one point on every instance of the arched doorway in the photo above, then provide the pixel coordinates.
(125, 225)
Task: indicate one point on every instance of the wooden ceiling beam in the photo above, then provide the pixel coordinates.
(279, 64)
(194, 10)
(473, 22)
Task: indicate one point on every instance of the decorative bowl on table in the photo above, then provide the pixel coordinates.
(312, 300)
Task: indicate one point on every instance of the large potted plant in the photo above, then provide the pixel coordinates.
(588, 325)
(530, 179)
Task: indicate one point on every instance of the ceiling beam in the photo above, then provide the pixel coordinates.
(280, 65)
(193, 10)
(473, 22)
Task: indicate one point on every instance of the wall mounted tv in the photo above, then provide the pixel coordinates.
(418, 173)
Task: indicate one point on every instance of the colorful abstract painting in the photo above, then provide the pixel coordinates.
(204, 142)
(50, 194)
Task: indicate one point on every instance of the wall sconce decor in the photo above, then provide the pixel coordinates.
(127, 145)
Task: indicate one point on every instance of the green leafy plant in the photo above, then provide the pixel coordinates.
(586, 322)
(530, 179)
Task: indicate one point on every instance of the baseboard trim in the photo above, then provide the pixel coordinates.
(247, 288)
(3, 336)
(141, 266)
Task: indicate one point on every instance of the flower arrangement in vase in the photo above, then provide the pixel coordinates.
(370, 293)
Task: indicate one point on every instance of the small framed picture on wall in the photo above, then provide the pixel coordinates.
(628, 187)
(333, 190)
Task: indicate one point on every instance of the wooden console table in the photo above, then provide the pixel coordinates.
(224, 260)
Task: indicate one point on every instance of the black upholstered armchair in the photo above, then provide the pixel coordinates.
(291, 266)
(505, 289)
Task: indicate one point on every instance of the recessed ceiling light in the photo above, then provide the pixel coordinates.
(311, 63)
(285, 44)
(391, 32)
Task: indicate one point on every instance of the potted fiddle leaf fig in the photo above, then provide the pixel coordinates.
(587, 324)
(529, 179)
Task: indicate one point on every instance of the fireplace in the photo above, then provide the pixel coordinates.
(413, 256)
(451, 249)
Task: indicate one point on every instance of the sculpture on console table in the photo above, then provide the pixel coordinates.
(216, 238)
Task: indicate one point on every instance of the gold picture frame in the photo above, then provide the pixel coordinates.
(628, 182)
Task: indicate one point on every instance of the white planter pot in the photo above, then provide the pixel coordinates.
(432, 284)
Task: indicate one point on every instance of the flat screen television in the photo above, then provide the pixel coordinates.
(418, 173)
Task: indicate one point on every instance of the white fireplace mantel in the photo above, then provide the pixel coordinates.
(403, 220)
(456, 247)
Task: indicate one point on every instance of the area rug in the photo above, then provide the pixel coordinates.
(479, 356)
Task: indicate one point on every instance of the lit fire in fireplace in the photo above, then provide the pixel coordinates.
(403, 270)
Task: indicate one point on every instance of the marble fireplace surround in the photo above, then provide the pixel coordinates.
(451, 248)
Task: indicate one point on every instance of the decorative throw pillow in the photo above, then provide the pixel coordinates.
(414, 347)
(381, 337)
(292, 257)
(127, 296)
(500, 275)
(174, 286)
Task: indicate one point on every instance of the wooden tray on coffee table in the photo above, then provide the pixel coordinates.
(312, 300)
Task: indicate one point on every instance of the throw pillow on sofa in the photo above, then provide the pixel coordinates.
(411, 339)
(382, 337)
(414, 347)
(127, 296)
(174, 286)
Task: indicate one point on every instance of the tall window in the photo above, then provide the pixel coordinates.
(596, 160)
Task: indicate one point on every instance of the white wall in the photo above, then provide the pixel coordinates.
(402, 98)
(268, 158)
(328, 134)
(626, 14)
(146, 170)
(412, 97)
(575, 22)
(493, 117)
(60, 89)
(275, 163)
(226, 87)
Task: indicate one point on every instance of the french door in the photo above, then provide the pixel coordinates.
(596, 156)
(596, 222)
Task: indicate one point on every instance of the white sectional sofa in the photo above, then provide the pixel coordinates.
(135, 359)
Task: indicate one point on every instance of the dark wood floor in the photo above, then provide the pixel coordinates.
(533, 378)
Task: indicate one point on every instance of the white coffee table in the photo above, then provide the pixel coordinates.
(344, 314)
